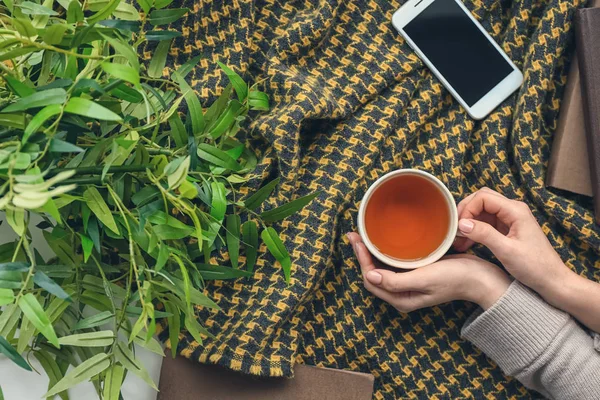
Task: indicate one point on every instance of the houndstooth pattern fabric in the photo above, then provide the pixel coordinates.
(350, 102)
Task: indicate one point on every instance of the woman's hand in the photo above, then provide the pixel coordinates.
(462, 277)
(511, 232)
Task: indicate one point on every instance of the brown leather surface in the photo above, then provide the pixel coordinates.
(182, 379)
(587, 35)
(569, 167)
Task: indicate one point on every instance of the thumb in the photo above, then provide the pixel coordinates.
(485, 234)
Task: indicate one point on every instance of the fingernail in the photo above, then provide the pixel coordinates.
(374, 277)
(465, 226)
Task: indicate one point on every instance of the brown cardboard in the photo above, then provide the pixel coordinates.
(587, 37)
(569, 167)
(182, 379)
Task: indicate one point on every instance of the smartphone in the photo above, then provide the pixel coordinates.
(459, 51)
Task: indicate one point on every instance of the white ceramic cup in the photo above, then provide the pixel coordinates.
(444, 246)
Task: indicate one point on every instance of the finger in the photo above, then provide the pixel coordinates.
(507, 211)
(398, 282)
(404, 302)
(466, 243)
(353, 238)
(364, 258)
(484, 233)
(462, 244)
(464, 202)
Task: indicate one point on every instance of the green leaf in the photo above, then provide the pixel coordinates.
(153, 36)
(75, 13)
(17, 266)
(219, 201)
(233, 223)
(104, 13)
(127, 93)
(113, 382)
(11, 353)
(194, 106)
(225, 120)
(127, 360)
(24, 27)
(241, 89)
(278, 250)
(9, 318)
(211, 272)
(83, 372)
(26, 332)
(87, 245)
(52, 369)
(94, 321)
(56, 271)
(19, 51)
(163, 257)
(288, 209)
(178, 131)
(163, 17)
(12, 120)
(250, 236)
(129, 26)
(127, 12)
(145, 5)
(35, 313)
(126, 50)
(176, 178)
(18, 87)
(88, 108)
(43, 281)
(31, 8)
(188, 66)
(174, 324)
(100, 209)
(60, 146)
(138, 326)
(124, 72)
(89, 339)
(10, 280)
(38, 99)
(217, 157)
(7, 296)
(168, 232)
(38, 120)
(54, 34)
(258, 100)
(194, 328)
(162, 3)
(159, 59)
(254, 201)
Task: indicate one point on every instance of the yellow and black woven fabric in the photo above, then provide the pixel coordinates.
(350, 102)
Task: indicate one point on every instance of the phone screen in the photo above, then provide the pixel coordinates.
(458, 49)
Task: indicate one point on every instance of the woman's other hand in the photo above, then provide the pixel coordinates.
(459, 277)
(509, 229)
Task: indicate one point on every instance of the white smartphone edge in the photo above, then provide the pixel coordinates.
(494, 97)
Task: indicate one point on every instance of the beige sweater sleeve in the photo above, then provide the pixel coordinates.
(541, 346)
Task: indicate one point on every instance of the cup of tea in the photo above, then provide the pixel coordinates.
(408, 219)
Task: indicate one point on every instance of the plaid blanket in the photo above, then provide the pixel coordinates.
(350, 102)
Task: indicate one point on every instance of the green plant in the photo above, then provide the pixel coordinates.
(133, 201)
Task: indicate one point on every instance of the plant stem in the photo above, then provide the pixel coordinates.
(98, 170)
(84, 181)
(59, 50)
